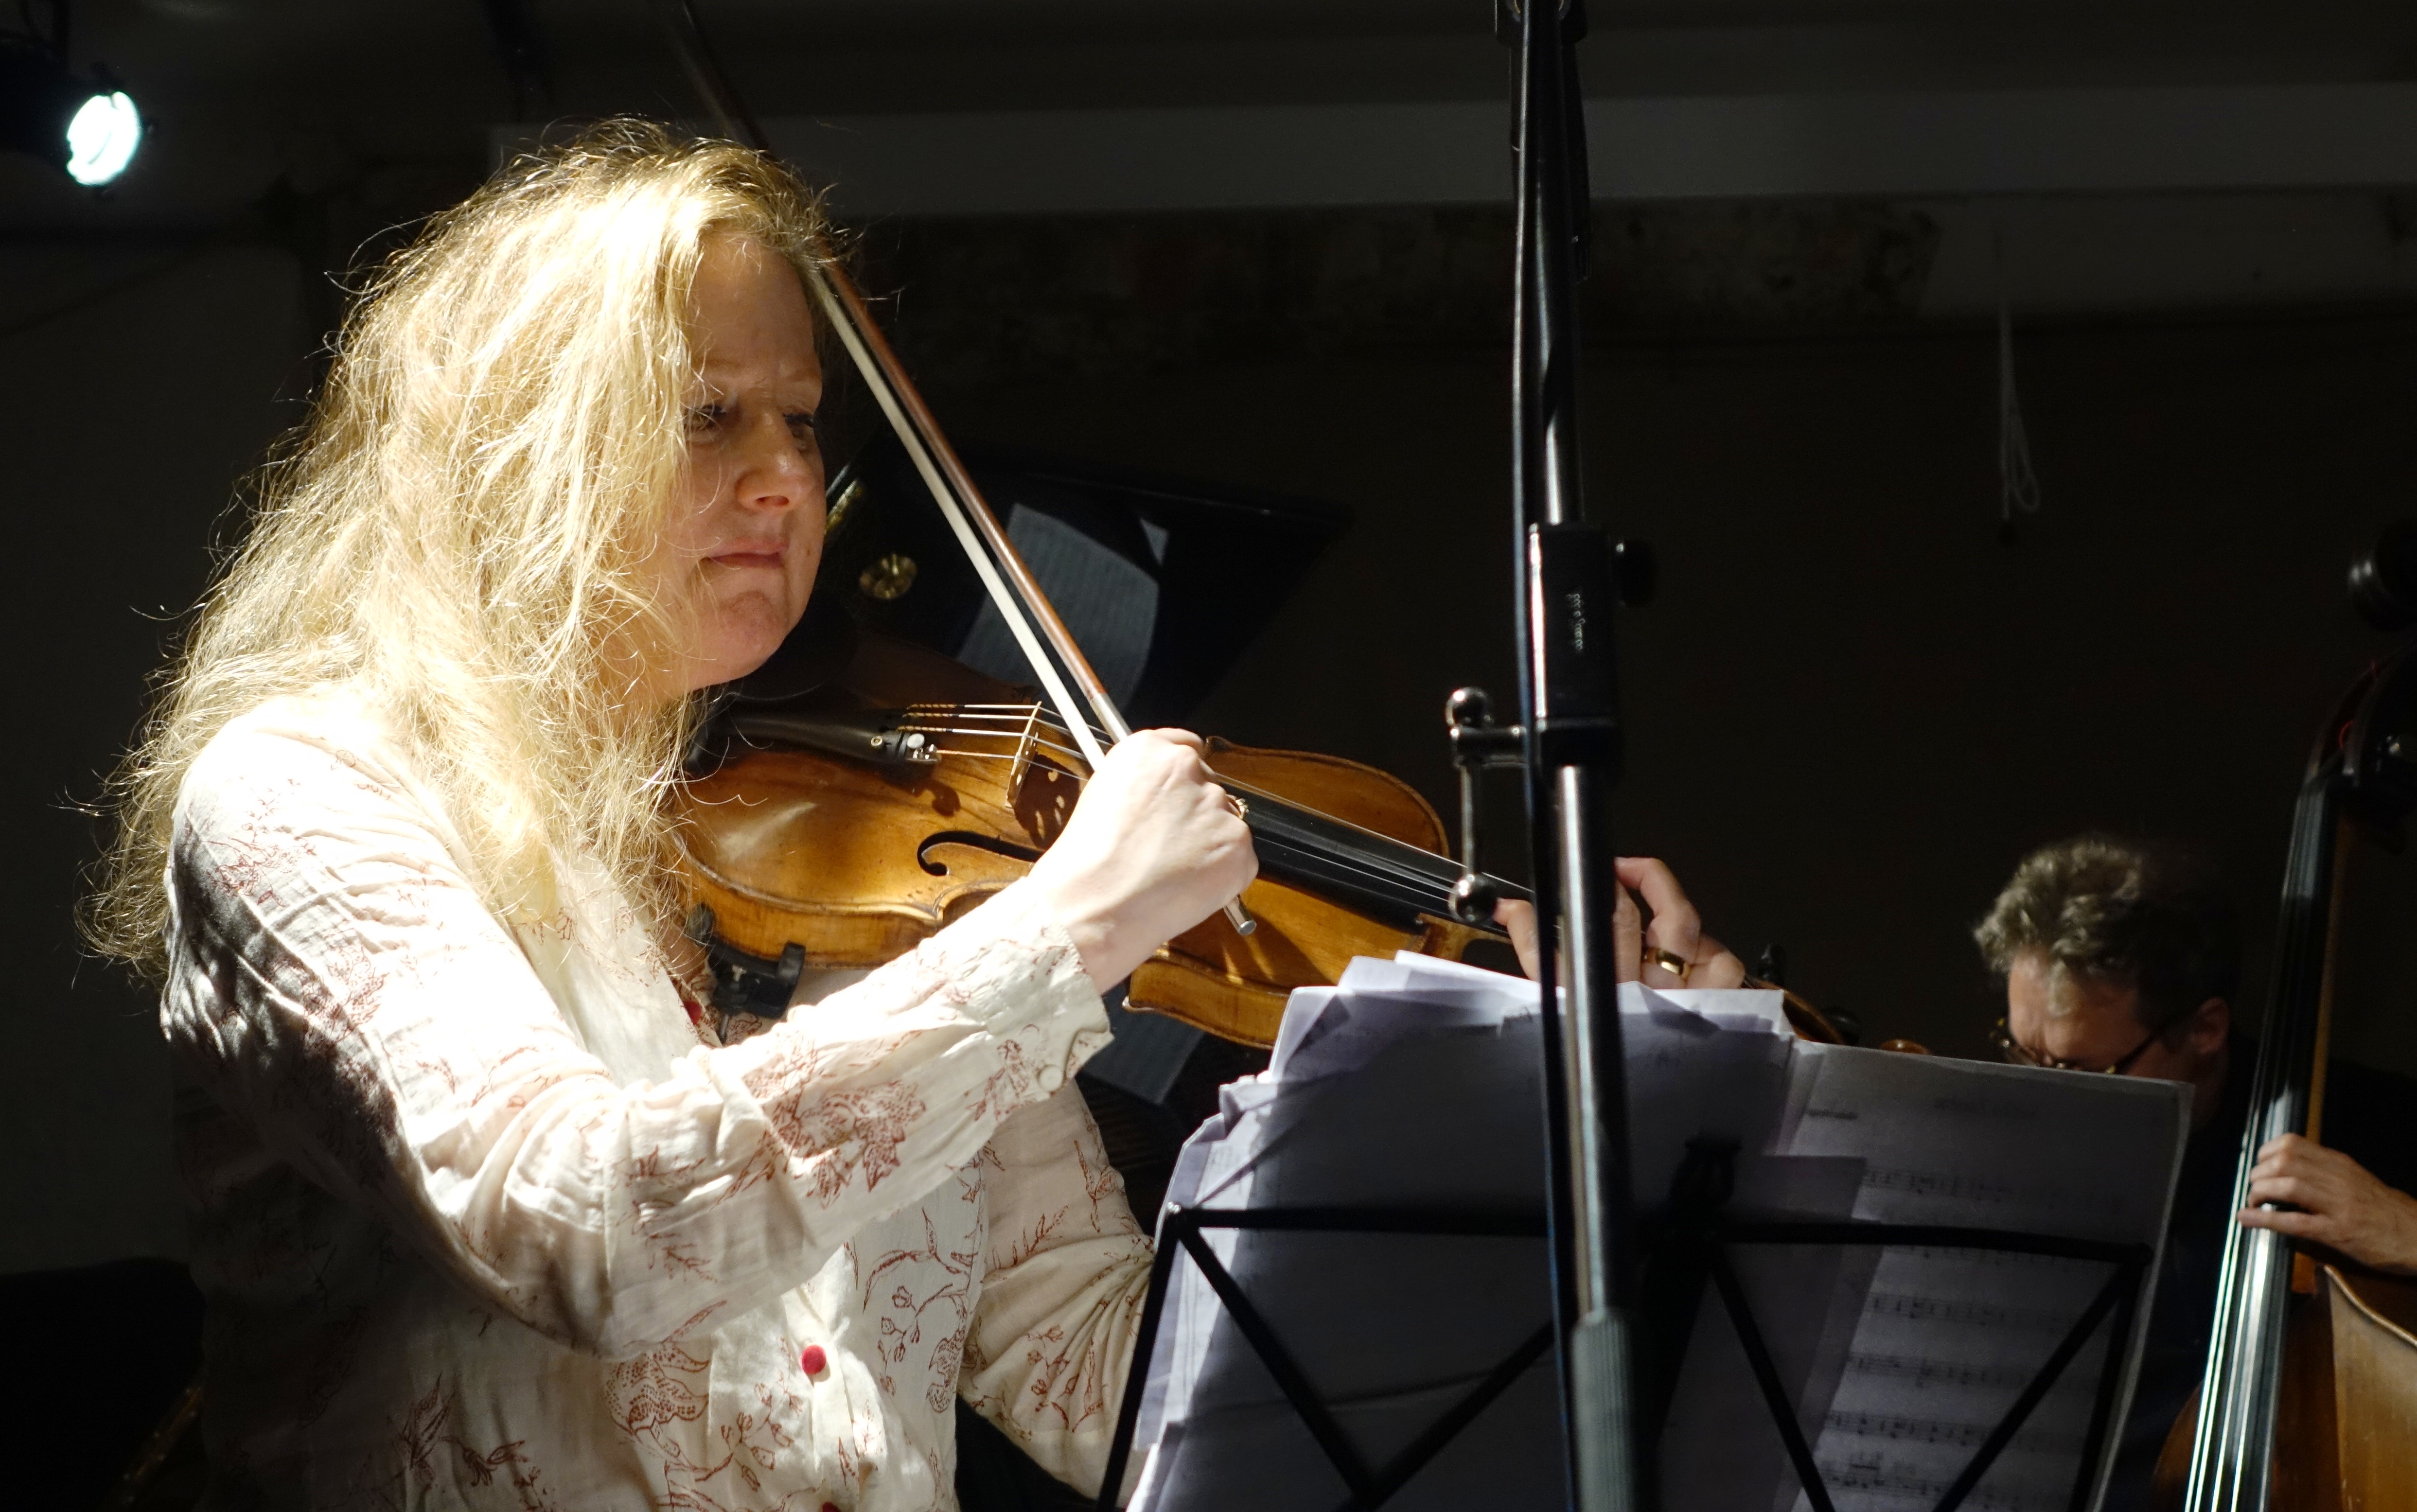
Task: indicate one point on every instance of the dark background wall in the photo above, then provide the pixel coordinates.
(1856, 701)
(1852, 706)
(122, 425)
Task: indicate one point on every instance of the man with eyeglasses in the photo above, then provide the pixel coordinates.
(2123, 957)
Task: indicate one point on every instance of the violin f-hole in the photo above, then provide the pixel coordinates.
(996, 846)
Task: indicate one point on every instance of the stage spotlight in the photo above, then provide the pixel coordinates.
(101, 137)
(83, 124)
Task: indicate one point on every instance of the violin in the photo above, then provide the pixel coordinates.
(835, 815)
(834, 828)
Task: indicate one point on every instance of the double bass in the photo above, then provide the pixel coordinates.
(2309, 1399)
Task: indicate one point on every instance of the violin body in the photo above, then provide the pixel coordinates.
(849, 862)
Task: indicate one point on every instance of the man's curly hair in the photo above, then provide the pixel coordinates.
(2128, 913)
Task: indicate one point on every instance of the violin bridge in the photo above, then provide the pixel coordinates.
(1024, 743)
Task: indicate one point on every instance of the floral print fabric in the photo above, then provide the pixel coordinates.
(485, 1221)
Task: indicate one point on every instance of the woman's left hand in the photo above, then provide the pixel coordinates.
(1672, 950)
(2340, 1205)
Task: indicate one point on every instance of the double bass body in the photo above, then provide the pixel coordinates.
(2309, 1399)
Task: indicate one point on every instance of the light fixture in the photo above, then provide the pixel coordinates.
(81, 123)
(103, 136)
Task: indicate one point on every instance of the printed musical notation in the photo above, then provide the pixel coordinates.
(1859, 1480)
(1907, 1430)
(1973, 1189)
(1947, 1339)
(1413, 1084)
(1970, 1311)
(1930, 1373)
(1897, 1429)
(1948, 1184)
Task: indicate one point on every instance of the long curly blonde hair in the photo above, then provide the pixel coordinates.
(456, 534)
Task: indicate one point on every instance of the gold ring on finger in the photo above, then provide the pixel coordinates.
(1669, 960)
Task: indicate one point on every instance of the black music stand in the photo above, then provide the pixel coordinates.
(1180, 1231)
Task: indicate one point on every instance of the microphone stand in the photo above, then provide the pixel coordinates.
(1568, 577)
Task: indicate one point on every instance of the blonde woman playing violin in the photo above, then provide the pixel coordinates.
(486, 1214)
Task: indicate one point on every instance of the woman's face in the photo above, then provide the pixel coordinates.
(746, 530)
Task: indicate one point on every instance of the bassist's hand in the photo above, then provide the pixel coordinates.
(2335, 1203)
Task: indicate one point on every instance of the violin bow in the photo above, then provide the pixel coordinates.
(1030, 617)
(1041, 635)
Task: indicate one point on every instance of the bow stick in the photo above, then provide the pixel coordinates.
(1039, 632)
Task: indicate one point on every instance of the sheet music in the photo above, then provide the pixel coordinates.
(1410, 1082)
(1719, 1449)
(1948, 1338)
(1414, 1083)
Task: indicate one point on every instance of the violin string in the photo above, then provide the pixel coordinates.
(1049, 718)
(1424, 878)
(972, 725)
(1382, 855)
(1013, 721)
(1231, 784)
(1385, 852)
(1020, 713)
(994, 756)
(1051, 747)
(1396, 855)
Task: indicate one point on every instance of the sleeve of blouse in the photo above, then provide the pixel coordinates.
(1064, 1280)
(336, 980)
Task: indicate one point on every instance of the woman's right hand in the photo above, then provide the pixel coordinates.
(1153, 847)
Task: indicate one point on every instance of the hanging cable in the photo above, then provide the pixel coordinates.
(2019, 490)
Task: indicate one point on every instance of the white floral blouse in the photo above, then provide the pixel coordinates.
(485, 1220)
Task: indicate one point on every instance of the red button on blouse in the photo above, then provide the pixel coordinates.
(813, 1359)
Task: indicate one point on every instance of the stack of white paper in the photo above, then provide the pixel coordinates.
(1414, 1084)
(1947, 1337)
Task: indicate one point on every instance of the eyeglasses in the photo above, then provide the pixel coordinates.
(2017, 1053)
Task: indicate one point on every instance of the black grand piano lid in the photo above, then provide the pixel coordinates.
(1163, 582)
